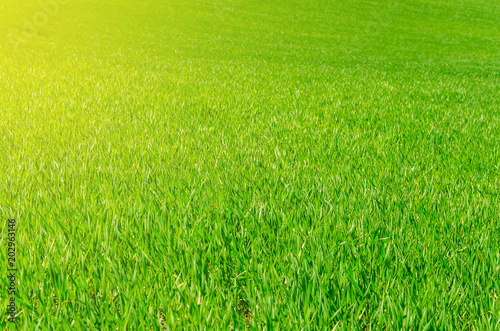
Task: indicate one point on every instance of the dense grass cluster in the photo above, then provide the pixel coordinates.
(253, 164)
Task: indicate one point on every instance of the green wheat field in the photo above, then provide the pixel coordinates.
(248, 164)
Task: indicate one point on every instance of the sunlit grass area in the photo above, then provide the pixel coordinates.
(231, 164)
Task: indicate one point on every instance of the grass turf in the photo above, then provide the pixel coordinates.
(264, 164)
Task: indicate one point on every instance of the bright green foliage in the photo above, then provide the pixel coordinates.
(278, 165)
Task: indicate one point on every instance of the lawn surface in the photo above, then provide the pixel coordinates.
(277, 165)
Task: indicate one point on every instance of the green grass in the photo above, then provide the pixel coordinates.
(252, 164)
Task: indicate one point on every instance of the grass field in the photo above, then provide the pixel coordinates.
(230, 164)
